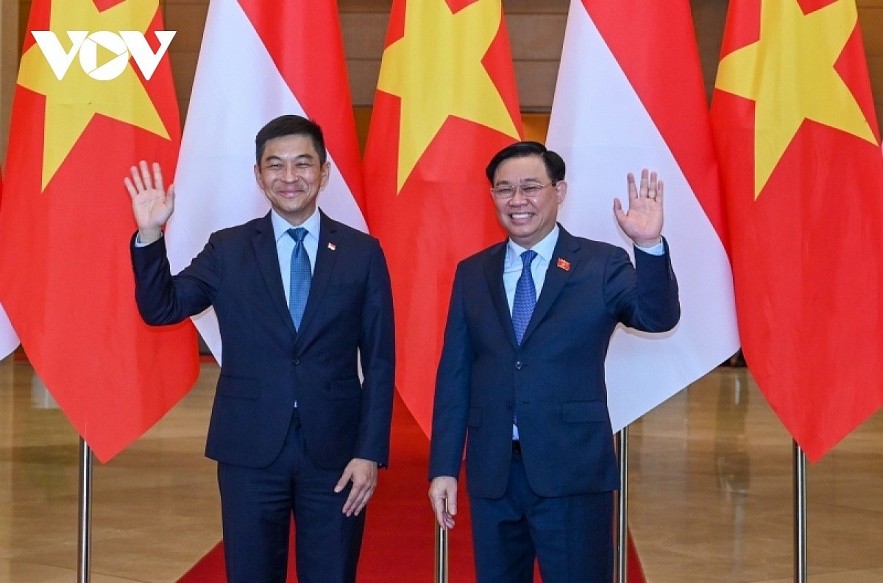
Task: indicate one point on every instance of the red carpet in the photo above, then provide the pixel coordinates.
(400, 534)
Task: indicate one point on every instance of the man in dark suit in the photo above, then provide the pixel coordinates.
(300, 300)
(521, 376)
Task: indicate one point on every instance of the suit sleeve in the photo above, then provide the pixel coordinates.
(451, 404)
(643, 296)
(164, 299)
(377, 353)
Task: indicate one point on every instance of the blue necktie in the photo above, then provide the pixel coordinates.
(525, 296)
(299, 286)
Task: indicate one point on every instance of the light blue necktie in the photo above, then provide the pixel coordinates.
(525, 296)
(299, 285)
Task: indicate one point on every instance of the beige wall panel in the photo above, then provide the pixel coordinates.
(363, 80)
(24, 11)
(871, 21)
(536, 84)
(536, 36)
(875, 64)
(183, 69)
(535, 6)
(382, 6)
(188, 19)
(9, 49)
(709, 17)
(363, 34)
(363, 120)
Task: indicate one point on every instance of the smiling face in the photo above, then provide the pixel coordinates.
(527, 219)
(291, 176)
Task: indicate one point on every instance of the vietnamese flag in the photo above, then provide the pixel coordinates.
(65, 273)
(264, 59)
(799, 148)
(446, 102)
(628, 100)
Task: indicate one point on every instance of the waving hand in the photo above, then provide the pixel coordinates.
(642, 222)
(151, 205)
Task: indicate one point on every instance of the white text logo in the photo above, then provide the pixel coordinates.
(122, 44)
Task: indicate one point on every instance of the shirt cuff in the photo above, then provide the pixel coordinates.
(139, 244)
(658, 249)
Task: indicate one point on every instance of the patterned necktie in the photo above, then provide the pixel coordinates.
(525, 296)
(299, 285)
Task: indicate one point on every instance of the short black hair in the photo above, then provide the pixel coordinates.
(288, 125)
(553, 162)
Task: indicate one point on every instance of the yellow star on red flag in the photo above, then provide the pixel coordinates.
(73, 101)
(789, 72)
(439, 54)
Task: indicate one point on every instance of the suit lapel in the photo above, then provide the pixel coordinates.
(326, 256)
(493, 269)
(264, 244)
(556, 276)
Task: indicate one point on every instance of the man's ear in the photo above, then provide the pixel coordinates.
(560, 191)
(257, 177)
(326, 174)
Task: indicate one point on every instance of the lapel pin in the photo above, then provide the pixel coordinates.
(332, 246)
(563, 264)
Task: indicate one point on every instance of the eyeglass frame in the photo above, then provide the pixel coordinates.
(536, 187)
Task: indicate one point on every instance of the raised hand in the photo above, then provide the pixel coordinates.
(642, 222)
(151, 204)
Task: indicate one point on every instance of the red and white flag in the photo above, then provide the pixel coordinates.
(259, 60)
(630, 96)
(8, 338)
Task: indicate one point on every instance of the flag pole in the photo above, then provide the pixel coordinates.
(441, 552)
(84, 539)
(800, 574)
(622, 507)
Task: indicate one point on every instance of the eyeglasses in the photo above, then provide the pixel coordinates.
(529, 190)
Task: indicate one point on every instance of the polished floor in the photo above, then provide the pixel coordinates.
(710, 476)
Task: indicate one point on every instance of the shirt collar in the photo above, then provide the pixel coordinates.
(281, 226)
(545, 248)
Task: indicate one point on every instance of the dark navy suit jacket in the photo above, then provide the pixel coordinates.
(267, 365)
(555, 379)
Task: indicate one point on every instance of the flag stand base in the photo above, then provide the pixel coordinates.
(622, 508)
(84, 538)
(800, 573)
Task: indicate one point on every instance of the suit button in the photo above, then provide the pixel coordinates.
(296, 361)
(518, 365)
